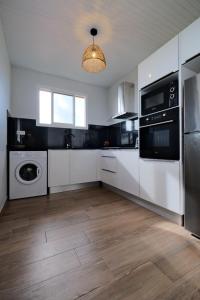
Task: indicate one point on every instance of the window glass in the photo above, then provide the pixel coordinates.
(45, 107)
(62, 109)
(57, 108)
(80, 112)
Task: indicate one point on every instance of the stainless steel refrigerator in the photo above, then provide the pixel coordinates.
(192, 153)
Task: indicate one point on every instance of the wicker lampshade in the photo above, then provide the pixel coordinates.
(93, 60)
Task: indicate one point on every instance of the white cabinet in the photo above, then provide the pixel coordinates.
(109, 162)
(109, 177)
(67, 167)
(190, 41)
(58, 168)
(109, 167)
(128, 174)
(160, 184)
(120, 168)
(83, 166)
(159, 64)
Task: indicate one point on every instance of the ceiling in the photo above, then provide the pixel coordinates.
(51, 35)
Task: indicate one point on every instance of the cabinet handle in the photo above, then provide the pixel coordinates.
(159, 160)
(109, 171)
(108, 156)
(157, 124)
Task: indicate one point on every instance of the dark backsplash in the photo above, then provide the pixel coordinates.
(37, 137)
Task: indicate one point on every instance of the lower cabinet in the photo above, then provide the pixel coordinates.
(109, 167)
(128, 164)
(160, 184)
(83, 166)
(109, 178)
(120, 168)
(155, 181)
(67, 167)
(58, 168)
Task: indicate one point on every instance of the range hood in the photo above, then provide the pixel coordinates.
(126, 102)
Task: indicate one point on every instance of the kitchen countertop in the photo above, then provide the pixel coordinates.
(119, 148)
(13, 148)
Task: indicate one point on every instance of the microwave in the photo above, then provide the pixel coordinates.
(160, 96)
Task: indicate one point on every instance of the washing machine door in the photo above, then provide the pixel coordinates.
(28, 172)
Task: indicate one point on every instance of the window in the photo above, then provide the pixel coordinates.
(62, 109)
(80, 106)
(45, 107)
(56, 109)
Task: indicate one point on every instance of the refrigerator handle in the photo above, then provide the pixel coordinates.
(190, 132)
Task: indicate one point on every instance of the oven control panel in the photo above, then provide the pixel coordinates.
(167, 115)
(173, 93)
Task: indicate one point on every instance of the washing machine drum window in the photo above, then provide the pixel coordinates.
(28, 172)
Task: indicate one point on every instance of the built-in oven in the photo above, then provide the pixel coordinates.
(160, 95)
(159, 135)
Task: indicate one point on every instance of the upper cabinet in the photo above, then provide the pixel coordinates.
(190, 41)
(161, 63)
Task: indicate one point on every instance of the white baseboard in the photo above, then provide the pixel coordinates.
(173, 217)
(65, 188)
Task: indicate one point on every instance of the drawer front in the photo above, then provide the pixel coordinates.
(109, 178)
(109, 163)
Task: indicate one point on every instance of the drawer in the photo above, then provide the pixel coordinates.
(109, 178)
(109, 163)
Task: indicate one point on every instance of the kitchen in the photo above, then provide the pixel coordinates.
(99, 157)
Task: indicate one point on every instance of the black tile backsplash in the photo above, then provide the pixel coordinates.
(37, 137)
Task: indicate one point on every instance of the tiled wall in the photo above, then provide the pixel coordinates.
(48, 137)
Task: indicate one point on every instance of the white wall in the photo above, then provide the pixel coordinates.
(25, 85)
(4, 105)
(112, 93)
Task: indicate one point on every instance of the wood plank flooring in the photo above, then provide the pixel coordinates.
(94, 244)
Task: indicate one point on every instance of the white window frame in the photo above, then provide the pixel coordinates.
(63, 92)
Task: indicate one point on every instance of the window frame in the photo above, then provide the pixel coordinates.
(62, 92)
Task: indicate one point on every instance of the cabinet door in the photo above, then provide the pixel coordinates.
(83, 166)
(190, 41)
(58, 167)
(128, 161)
(159, 64)
(160, 184)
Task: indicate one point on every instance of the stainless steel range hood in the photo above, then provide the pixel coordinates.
(126, 102)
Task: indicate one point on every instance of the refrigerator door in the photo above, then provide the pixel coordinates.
(192, 182)
(192, 104)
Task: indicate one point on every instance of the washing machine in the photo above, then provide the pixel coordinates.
(27, 174)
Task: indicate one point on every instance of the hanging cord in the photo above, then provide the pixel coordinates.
(93, 47)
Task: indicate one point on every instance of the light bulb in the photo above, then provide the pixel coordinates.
(93, 54)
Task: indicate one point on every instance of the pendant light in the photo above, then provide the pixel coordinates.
(93, 60)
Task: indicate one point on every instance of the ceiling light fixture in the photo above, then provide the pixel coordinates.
(93, 60)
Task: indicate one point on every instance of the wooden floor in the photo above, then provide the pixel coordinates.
(94, 244)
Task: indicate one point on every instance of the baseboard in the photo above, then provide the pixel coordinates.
(173, 217)
(65, 188)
